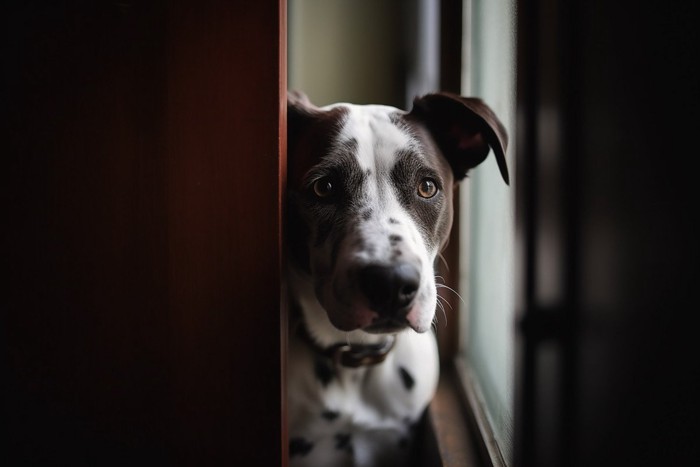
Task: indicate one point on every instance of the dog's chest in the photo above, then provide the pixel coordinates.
(365, 416)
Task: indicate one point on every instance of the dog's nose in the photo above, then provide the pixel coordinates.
(389, 289)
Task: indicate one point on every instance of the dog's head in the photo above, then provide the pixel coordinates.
(370, 190)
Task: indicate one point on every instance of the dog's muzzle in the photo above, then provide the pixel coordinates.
(389, 291)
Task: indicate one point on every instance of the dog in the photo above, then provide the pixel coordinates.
(369, 209)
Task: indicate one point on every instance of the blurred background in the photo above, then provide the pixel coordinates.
(364, 52)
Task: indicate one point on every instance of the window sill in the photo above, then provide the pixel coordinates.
(457, 426)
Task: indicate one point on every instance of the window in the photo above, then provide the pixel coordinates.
(487, 222)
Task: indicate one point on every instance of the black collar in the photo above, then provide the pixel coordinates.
(349, 355)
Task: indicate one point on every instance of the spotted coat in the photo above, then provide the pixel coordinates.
(370, 207)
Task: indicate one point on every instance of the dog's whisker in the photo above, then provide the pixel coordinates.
(434, 323)
(440, 305)
(443, 286)
(444, 261)
(440, 297)
(442, 308)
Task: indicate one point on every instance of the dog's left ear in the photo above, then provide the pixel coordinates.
(464, 128)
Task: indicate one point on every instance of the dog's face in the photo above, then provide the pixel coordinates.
(371, 202)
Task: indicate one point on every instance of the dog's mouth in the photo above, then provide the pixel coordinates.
(386, 326)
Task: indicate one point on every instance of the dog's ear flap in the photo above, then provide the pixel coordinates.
(464, 128)
(301, 114)
(300, 111)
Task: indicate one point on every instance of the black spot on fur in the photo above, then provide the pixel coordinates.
(394, 239)
(299, 447)
(393, 221)
(413, 427)
(323, 371)
(322, 233)
(406, 378)
(330, 415)
(359, 244)
(336, 243)
(326, 219)
(429, 214)
(366, 214)
(343, 442)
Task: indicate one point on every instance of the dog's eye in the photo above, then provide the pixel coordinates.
(427, 188)
(323, 187)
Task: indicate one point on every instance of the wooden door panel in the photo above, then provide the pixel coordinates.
(144, 167)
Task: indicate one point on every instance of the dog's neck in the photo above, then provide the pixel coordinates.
(315, 319)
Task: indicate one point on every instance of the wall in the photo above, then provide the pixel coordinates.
(347, 51)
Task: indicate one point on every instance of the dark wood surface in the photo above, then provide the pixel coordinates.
(143, 165)
(453, 425)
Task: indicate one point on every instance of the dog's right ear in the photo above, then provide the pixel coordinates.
(297, 98)
(311, 133)
(300, 113)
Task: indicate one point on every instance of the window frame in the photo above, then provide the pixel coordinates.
(457, 415)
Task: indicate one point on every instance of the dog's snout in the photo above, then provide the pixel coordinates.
(389, 289)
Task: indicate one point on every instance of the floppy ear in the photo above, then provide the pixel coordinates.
(302, 117)
(300, 112)
(463, 128)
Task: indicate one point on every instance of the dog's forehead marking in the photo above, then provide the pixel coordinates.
(378, 137)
